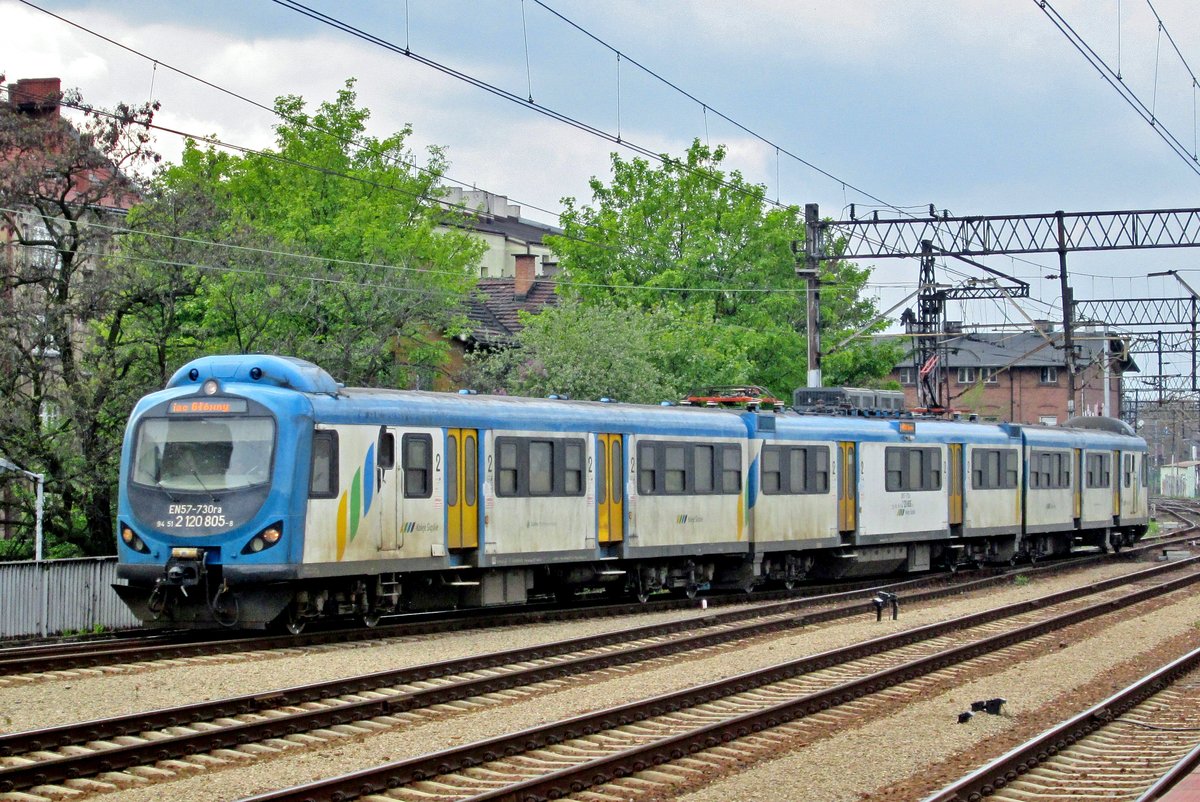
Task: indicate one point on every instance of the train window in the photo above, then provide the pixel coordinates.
(1127, 463)
(702, 464)
(573, 468)
(994, 468)
(452, 470)
(688, 468)
(618, 471)
(602, 473)
(1049, 470)
(470, 469)
(386, 450)
(674, 475)
(506, 477)
(323, 479)
(795, 469)
(541, 467)
(203, 454)
(416, 458)
(772, 470)
(912, 468)
(646, 474)
(731, 469)
(1099, 470)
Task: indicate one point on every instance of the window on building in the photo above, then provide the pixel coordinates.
(908, 375)
(989, 375)
(912, 468)
(1049, 375)
(966, 375)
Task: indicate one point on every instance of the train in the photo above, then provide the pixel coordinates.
(256, 491)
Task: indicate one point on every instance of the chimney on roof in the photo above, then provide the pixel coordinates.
(524, 276)
(35, 95)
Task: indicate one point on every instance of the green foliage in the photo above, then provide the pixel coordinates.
(689, 235)
(15, 550)
(94, 321)
(1021, 580)
(592, 351)
(65, 355)
(375, 277)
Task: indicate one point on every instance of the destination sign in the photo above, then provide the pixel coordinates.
(207, 406)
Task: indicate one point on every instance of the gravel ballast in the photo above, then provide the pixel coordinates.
(846, 766)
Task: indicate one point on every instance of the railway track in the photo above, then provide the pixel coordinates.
(154, 646)
(152, 744)
(1117, 750)
(47, 658)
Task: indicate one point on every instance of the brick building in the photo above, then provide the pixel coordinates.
(1020, 376)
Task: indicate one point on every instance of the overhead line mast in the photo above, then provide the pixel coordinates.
(960, 237)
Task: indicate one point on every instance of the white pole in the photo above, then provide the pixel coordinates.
(37, 524)
(1107, 374)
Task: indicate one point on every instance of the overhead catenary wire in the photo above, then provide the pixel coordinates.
(211, 140)
(1113, 79)
(465, 209)
(125, 231)
(706, 107)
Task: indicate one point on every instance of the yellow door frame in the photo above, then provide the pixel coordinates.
(462, 488)
(610, 489)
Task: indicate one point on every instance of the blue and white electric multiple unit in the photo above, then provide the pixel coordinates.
(256, 489)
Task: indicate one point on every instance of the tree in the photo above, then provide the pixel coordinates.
(707, 240)
(65, 362)
(344, 258)
(600, 350)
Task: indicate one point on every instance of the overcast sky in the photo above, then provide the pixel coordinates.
(977, 106)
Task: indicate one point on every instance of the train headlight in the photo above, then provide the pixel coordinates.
(211, 387)
(130, 539)
(264, 539)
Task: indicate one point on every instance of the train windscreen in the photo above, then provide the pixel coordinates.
(204, 454)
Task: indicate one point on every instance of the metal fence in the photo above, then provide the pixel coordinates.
(56, 596)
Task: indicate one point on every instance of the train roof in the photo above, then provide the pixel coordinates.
(421, 408)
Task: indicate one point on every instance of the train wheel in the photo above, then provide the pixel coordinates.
(640, 592)
(691, 590)
(290, 621)
(370, 620)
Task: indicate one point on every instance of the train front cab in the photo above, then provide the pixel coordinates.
(208, 530)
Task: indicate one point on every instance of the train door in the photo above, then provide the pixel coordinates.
(1115, 478)
(955, 451)
(1077, 484)
(847, 487)
(462, 488)
(610, 487)
(386, 485)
